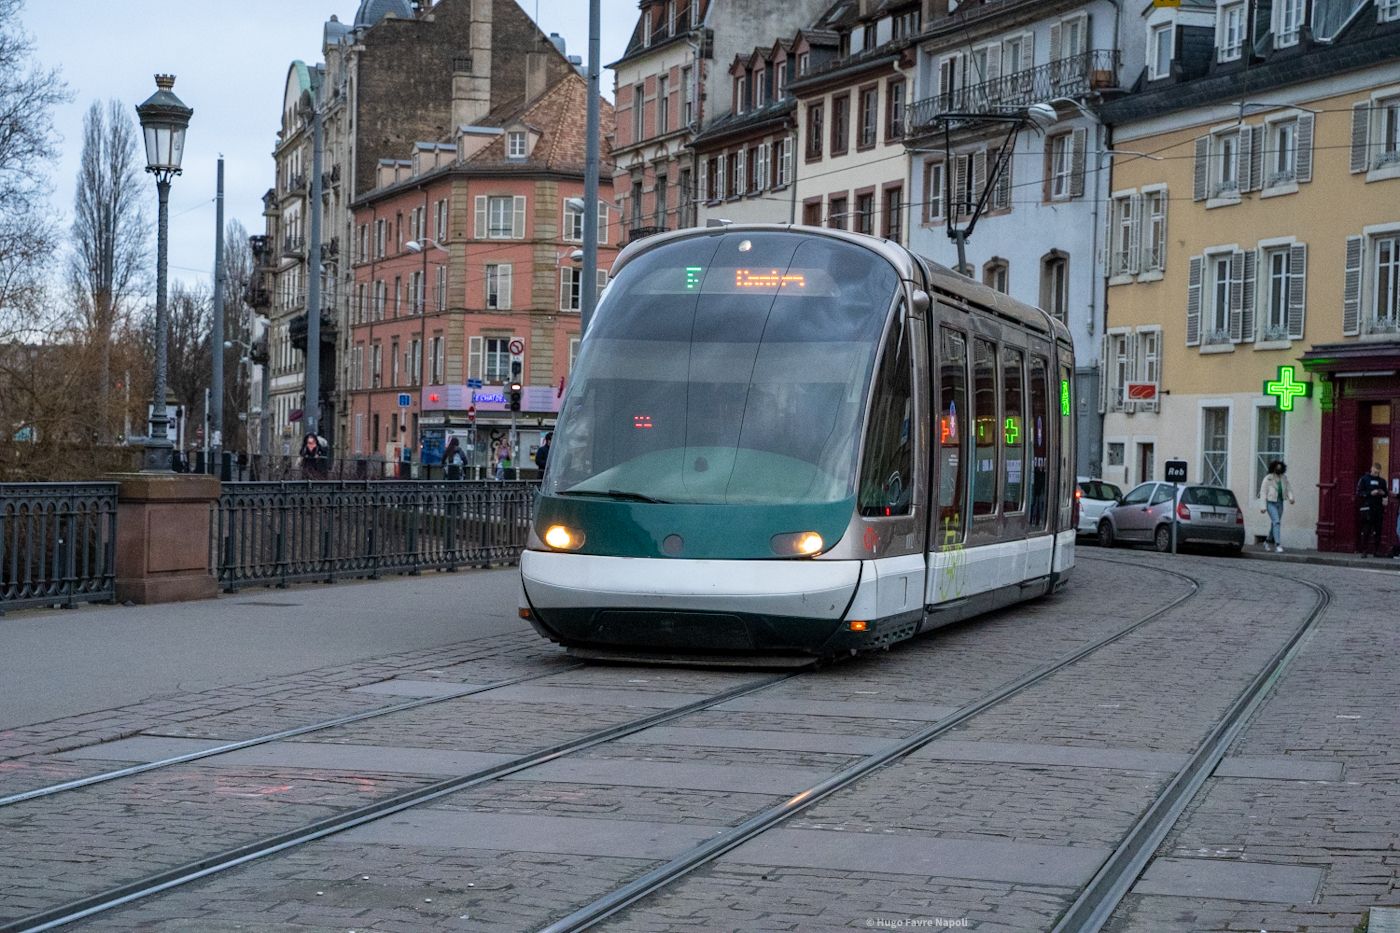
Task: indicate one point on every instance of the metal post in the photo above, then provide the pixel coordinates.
(589, 285)
(311, 410)
(1176, 493)
(157, 456)
(216, 414)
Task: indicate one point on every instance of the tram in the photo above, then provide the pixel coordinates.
(788, 444)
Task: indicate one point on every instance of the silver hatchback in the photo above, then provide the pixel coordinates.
(1204, 515)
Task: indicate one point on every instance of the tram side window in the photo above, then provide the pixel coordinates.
(1039, 427)
(1013, 429)
(1066, 442)
(984, 465)
(887, 481)
(952, 429)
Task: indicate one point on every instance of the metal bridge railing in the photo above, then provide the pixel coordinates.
(278, 532)
(57, 543)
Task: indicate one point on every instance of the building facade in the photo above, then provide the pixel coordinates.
(1253, 260)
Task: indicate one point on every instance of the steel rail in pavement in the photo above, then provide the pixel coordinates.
(120, 895)
(713, 848)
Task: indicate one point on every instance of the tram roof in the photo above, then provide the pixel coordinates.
(934, 278)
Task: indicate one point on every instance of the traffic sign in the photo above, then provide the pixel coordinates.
(1176, 471)
(471, 414)
(517, 346)
(474, 383)
(405, 399)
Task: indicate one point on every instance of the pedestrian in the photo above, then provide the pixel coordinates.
(542, 455)
(314, 456)
(1273, 491)
(454, 459)
(1370, 498)
(502, 461)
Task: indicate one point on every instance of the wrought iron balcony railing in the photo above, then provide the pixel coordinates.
(293, 247)
(1075, 76)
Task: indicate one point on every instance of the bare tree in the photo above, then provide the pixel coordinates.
(107, 265)
(238, 317)
(28, 94)
(189, 330)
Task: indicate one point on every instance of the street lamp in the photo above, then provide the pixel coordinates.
(423, 246)
(164, 118)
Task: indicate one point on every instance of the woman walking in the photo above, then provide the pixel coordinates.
(1274, 490)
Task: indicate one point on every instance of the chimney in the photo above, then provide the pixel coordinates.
(471, 69)
(536, 74)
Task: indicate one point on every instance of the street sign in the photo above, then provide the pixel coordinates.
(517, 346)
(471, 414)
(1285, 389)
(474, 383)
(1176, 471)
(405, 400)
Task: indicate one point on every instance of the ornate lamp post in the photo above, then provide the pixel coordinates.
(164, 118)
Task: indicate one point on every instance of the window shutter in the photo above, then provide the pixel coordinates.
(564, 289)
(1130, 349)
(603, 222)
(1076, 166)
(1135, 234)
(1360, 137)
(739, 172)
(1351, 292)
(1237, 297)
(600, 277)
(505, 279)
(1004, 185)
(1161, 246)
(481, 216)
(761, 182)
(1054, 42)
(1106, 251)
(959, 205)
(1305, 145)
(474, 358)
(1244, 159)
(1202, 165)
(979, 176)
(1256, 157)
(704, 193)
(787, 161)
(517, 227)
(1193, 302)
(1297, 289)
(1103, 373)
(1247, 329)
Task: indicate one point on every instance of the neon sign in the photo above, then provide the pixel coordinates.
(1285, 389)
(744, 278)
(641, 422)
(1064, 397)
(692, 277)
(1013, 431)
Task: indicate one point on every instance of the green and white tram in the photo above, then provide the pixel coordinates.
(791, 442)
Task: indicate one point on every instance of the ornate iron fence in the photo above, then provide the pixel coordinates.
(1072, 77)
(57, 543)
(278, 532)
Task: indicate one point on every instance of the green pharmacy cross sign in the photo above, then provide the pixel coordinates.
(1285, 388)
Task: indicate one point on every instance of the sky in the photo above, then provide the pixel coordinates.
(230, 60)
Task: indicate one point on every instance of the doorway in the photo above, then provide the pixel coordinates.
(1145, 461)
(1377, 429)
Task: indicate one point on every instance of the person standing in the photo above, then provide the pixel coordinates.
(313, 456)
(1370, 497)
(1274, 490)
(453, 459)
(542, 455)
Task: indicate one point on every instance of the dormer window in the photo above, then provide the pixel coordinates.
(868, 38)
(760, 88)
(515, 145)
(1229, 31)
(1159, 49)
(646, 27)
(804, 63)
(1288, 21)
(741, 93)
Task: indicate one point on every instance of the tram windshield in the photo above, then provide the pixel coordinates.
(728, 369)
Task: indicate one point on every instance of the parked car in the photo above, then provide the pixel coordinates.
(1093, 496)
(1205, 515)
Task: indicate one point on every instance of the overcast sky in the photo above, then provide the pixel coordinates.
(230, 61)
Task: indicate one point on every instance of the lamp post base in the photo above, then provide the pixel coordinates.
(157, 457)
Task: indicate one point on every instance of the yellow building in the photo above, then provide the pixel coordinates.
(1254, 236)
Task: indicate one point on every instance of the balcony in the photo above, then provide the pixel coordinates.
(1074, 77)
(256, 296)
(296, 184)
(296, 329)
(331, 249)
(293, 247)
(641, 233)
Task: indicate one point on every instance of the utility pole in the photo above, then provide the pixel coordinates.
(311, 411)
(589, 285)
(216, 438)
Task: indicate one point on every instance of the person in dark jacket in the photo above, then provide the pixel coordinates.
(542, 455)
(314, 456)
(454, 459)
(1370, 498)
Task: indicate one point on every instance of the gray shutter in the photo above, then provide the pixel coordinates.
(481, 216)
(1076, 166)
(1202, 165)
(1103, 373)
(1106, 250)
(1351, 292)
(517, 227)
(505, 286)
(979, 175)
(1245, 161)
(1360, 137)
(960, 170)
(1305, 146)
(704, 193)
(1193, 302)
(1130, 349)
(1135, 234)
(1054, 42)
(1003, 189)
(1237, 297)
(1248, 299)
(1297, 289)
(474, 358)
(1256, 158)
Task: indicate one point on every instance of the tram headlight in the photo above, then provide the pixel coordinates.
(562, 538)
(798, 544)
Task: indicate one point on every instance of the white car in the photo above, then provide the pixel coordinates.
(1094, 497)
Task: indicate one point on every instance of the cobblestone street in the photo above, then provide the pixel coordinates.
(995, 823)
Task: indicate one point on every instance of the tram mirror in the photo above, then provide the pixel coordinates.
(921, 301)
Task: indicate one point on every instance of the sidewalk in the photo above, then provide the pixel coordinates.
(1322, 558)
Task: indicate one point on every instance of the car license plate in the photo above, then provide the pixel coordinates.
(1214, 516)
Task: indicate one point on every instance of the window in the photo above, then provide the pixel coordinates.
(661, 186)
(894, 214)
(440, 292)
(1389, 10)
(760, 87)
(1282, 157)
(497, 361)
(780, 81)
(500, 217)
(1229, 32)
(438, 361)
(394, 363)
(934, 184)
(865, 214)
(812, 212)
(1385, 303)
(1040, 442)
(1225, 166)
(1215, 446)
(639, 94)
(868, 38)
(1122, 261)
(840, 123)
(570, 289)
(663, 105)
(1220, 272)
(714, 184)
(836, 213)
(381, 228)
(1014, 57)
(515, 145)
(1268, 443)
(1061, 161)
(376, 363)
(804, 63)
(995, 275)
(1277, 271)
(498, 286)
(894, 110)
(1154, 238)
(687, 97)
(1013, 430)
(782, 162)
(398, 295)
(985, 427)
(751, 169)
(887, 464)
(1054, 285)
(415, 362)
(906, 24)
(1288, 21)
(734, 186)
(440, 221)
(952, 431)
(685, 201)
(381, 297)
(814, 131)
(1159, 45)
(1114, 456)
(1118, 369)
(741, 93)
(869, 116)
(1149, 359)
(573, 223)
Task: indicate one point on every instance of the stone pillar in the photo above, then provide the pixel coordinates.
(163, 537)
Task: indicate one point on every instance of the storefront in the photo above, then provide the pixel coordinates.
(1359, 393)
(480, 419)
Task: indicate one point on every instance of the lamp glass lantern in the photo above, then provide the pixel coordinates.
(164, 119)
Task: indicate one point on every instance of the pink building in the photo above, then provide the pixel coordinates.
(464, 272)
